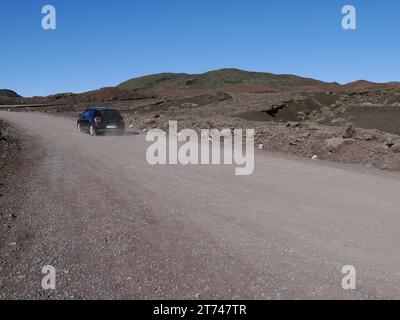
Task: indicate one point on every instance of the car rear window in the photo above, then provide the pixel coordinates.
(108, 115)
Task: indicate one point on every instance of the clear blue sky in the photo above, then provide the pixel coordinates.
(102, 43)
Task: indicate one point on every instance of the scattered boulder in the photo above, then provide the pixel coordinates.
(150, 122)
(389, 140)
(396, 147)
(313, 126)
(367, 105)
(338, 120)
(323, 134)
(344, 97)
(304, 135)
(189, 105)
(339, 111)
(293, 124)
(325, 110)
(335, 144)
(302, 116)
(348, 131)
(366, 135)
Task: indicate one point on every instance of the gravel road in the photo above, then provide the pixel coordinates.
(115, 227)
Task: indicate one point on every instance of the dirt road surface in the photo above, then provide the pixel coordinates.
(115, 227)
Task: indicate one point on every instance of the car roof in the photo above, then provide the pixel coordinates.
(102, 108)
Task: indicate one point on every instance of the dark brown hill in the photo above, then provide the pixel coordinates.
(226, 80)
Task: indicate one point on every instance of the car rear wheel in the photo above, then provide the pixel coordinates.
(92, 131)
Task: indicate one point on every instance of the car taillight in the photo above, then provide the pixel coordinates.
(97, 120)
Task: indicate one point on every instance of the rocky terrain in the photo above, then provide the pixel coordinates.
(7, 143)
(9, 164)
(353, 123)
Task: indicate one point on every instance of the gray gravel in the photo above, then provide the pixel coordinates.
(115, 227)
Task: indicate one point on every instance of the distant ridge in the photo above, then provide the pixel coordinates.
(5, 93)
(183, 84)
(368, 85)
(235, 80)
(228, 80)
(9, 97)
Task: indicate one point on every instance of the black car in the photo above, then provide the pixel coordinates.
(101, 120)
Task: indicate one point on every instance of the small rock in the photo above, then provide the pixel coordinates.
(313, 127)
(260, 146)
(367, 105)
(325, 110)
(293, 124)
(334, 144)
(348, 131)
(396, 148)
(314, 157)
(301, 116)
(338, 120)
(150, 122)
(339, 111)
(389, 141)
(367, 136)
(293, 141)
(323, 134)
(304, 135)
(190, 104)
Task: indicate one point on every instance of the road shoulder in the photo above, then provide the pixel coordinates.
(20, 155)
